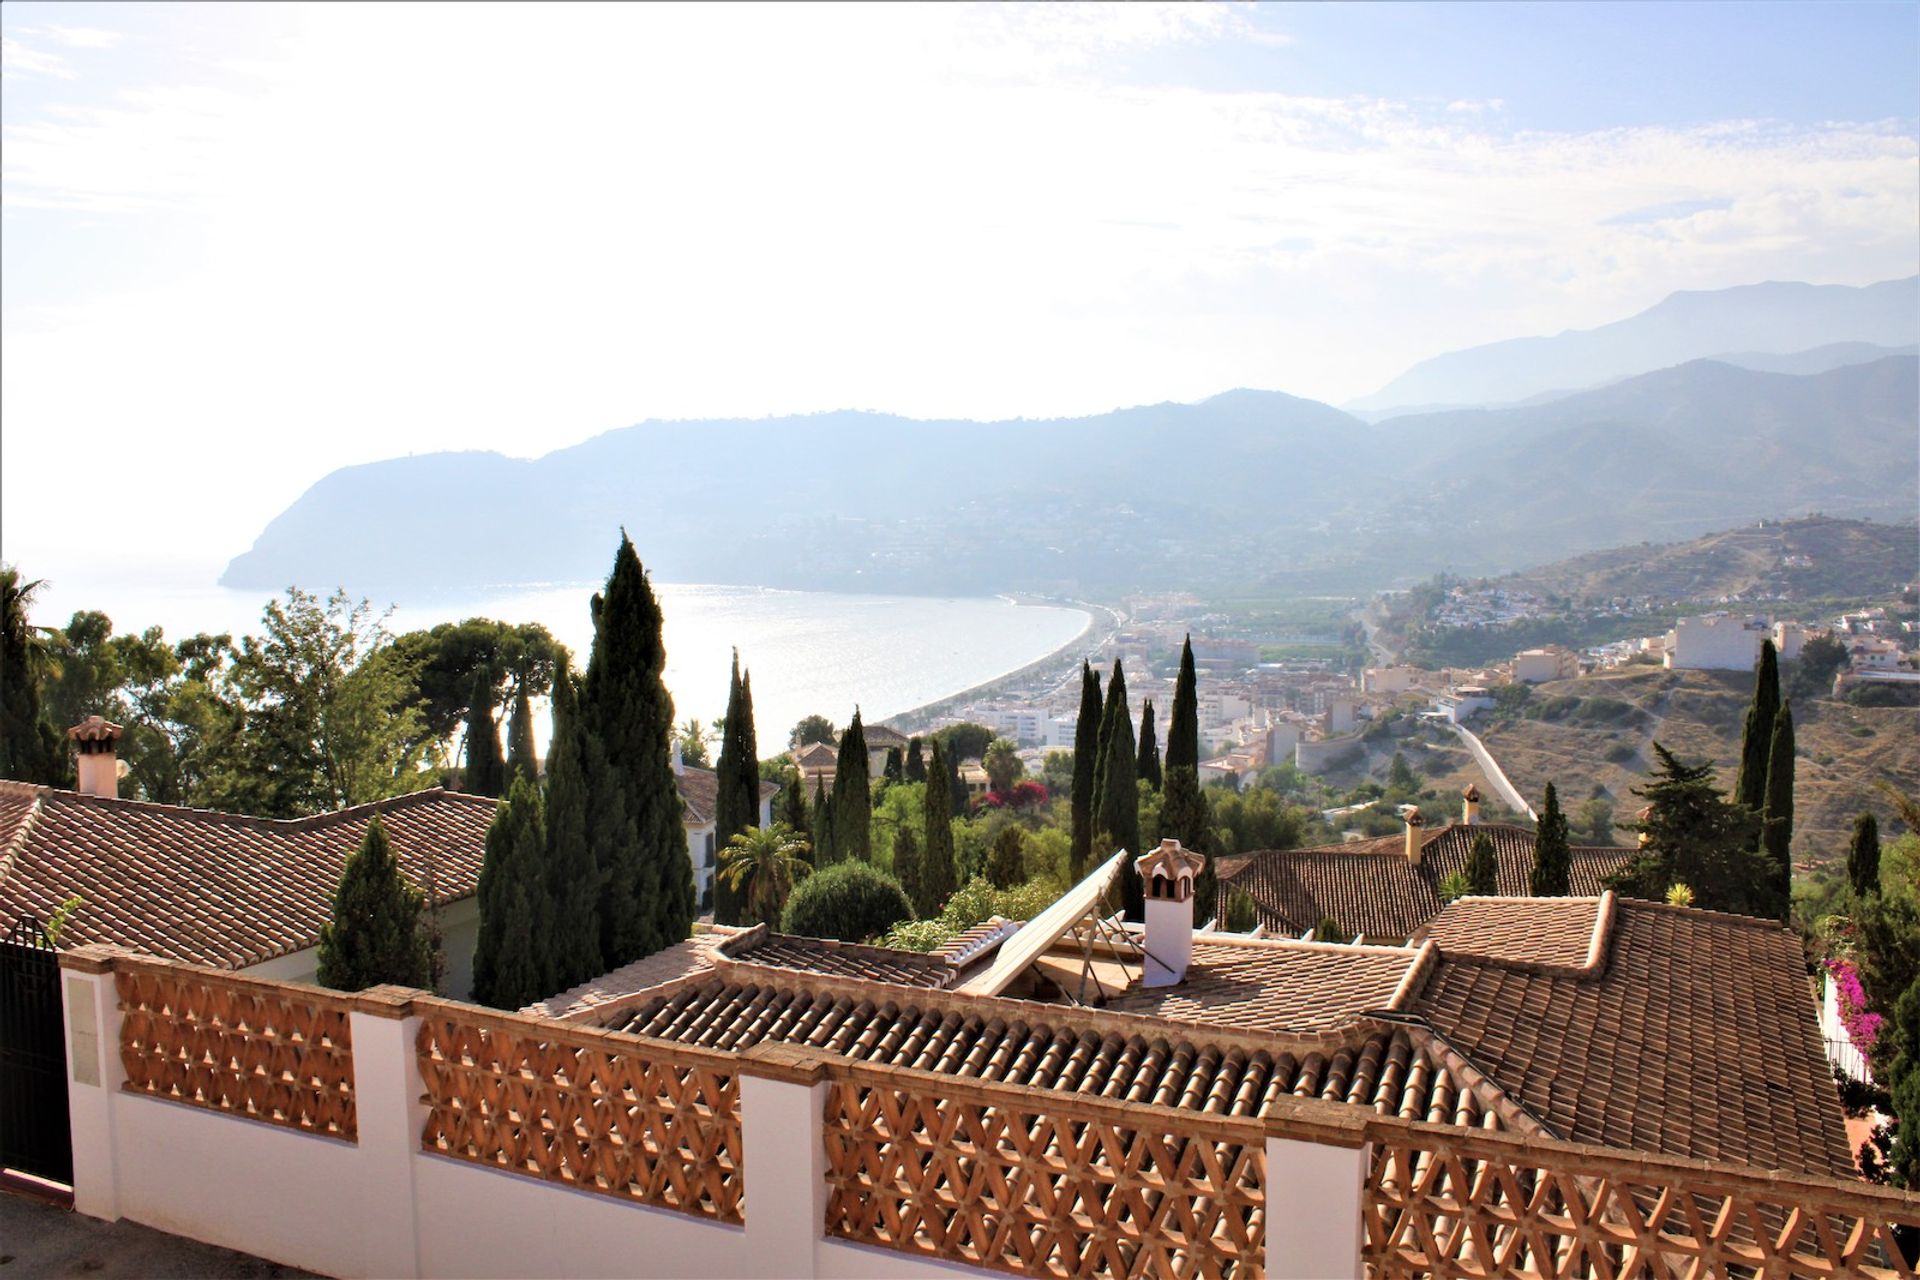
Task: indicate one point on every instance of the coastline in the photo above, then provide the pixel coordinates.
(1102, 620)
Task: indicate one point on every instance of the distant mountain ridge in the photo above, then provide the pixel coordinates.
(1775, 318)
(1250, 487)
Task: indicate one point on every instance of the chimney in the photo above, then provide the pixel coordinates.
(1470, 804)
(1415, 825)
(93, 739)
(1166, 877)
(1644, 837)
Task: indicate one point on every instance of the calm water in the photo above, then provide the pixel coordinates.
(808, 651)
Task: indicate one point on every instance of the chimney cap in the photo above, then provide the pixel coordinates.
(1471, 793)
(1413, 817)
(1169, 860)
(96, 729)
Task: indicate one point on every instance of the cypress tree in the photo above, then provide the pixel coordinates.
(916, 763)
(737, 790)
(1863, 856)
(936, 861)
(853, 796)
(907, 870)
(1483, 867)
(523, 758)
(896, 770)
(30, 748)
(1117, 818)
(374, 934)
(573, 878)
(1776, 822)
(486, 772)
(1183, 726)
(1552, 856)
(642, 845)
(793, 807)
(1148, 767)
(1756, 738)
(824, 854)
(513, 956)
(957, 797)
(1007, 859)
(1086, 765)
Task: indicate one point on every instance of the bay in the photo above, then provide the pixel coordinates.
(808, 651)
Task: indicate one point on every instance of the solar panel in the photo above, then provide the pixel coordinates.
(1039, 934)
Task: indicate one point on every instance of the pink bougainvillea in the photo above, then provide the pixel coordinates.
(1024, 795)
(1863, 1025)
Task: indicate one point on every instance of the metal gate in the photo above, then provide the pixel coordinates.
(34, 1137)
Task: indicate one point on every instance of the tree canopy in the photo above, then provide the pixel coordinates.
(375, 933)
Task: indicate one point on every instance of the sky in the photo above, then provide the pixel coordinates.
(241, 246)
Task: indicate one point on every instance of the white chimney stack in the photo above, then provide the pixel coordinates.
(99, 763)
(1416, 826)
(1470, 804)
(1166, 876)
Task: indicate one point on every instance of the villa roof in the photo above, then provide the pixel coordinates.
(214, 888)
(700, 790)
(881, 738)
(1272, 985)
(1371, 889)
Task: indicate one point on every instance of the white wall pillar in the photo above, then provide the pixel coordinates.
(783, 1098)
(94, 1076)
(1314, 1225)
(387, 1091)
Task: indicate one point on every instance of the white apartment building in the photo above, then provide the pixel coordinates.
(1716, 642)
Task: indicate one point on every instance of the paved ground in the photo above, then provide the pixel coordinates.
(38, 1239)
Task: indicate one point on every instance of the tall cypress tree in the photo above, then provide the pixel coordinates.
(523, 757)
(853, 796)
(374, 934)
(1117, 819)
(1183, 725)
(486, 773)
(1776, 819)
(896, 770)
(513, 956)
(1756, 738)
(737, 793)
(908, 871)
(793, 807)
(573, 878)
(1863, 856)
(957, 798)
(916, 763)
(1483, 867)
(824, 854)
(643, 846)
(936, 859)
(1148, 766)
(1552, 855)
(1086, 766)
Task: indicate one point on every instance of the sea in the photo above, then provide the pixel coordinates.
(808, 651)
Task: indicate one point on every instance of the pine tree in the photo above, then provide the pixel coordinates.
(737, 787)
(1483, 867)
(824, 854)
(1117, 816)
(1007, 860)
(1863, 856)
(1695, 837)
(1183, 726)
(1756, 739)
(907, 870)
(30, 749)
(1776, 820)
(523, 757)
(1148, 767)
(486, 773)
(916, 763)
(1086, 765)
(853, 797)
(513, 956)
(374, 934)
(1552, 856)
(573, 877)
(936, 861)
(642, 844)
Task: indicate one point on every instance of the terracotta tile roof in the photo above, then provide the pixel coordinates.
(1371, 889)
(1695, 1035)
(214, 888)
(762, 949)
(1265, 985)
(1564, 933)
(881, 738)
(700, 790)
(816, 755)
(977, 943)
(681, 960)
(1396, 1071)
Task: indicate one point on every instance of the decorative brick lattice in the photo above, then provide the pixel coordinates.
(1064, 1187)
(260, 1050)
(592, 1109)
(1444, 1206)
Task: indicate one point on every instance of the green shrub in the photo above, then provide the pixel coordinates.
(1242, 916)
(919, 935)
(1621, 752)
(850, 901)
(977, 901)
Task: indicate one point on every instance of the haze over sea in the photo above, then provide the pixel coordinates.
(808, 651)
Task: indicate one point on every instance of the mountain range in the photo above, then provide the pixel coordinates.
(1247, 489)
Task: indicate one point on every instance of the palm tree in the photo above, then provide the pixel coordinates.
(765, 863)
(1002, 763)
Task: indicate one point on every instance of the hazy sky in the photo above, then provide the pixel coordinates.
(243, 246)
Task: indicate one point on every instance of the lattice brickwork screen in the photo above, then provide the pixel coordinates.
(1068, 1190)
(579, 1107)
(261, 1052)
(1446, 1208)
